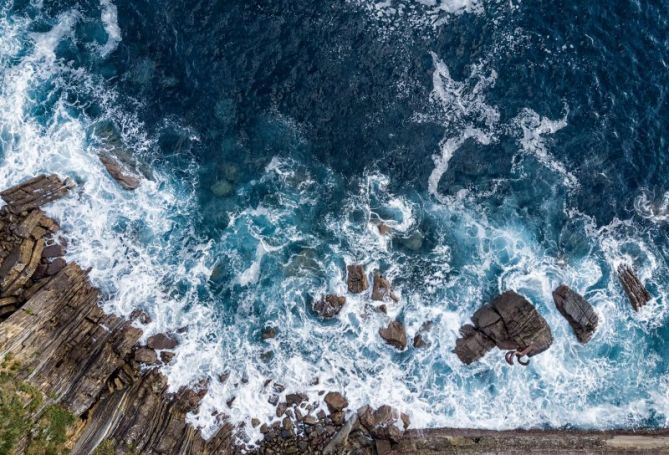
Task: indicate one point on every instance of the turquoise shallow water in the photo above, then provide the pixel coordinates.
(508, 145)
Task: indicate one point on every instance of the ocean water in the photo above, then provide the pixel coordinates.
(509, 144)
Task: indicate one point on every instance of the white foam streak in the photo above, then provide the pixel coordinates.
(109, 17)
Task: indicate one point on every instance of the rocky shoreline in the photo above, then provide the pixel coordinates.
(74, 379)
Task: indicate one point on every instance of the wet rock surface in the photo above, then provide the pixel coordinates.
(577, 311)
(509, 322)
(329, 306)
(119, 172)
(382, 289)
(395, 335)
(357, 279)
(634, 289)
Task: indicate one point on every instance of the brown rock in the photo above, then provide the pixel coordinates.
(55, 266)
(395, 335)
(293, 399)
(147, 356)
(166, 356)
(418, 341)
(384, 229)
(268, 333)
(357, 279)
(382, 289)
(335, 401)
(329, 306)
(161, 341)
(119, 173)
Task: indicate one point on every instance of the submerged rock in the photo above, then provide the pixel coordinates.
(357, 279)
(384, 229)
(577, 311)
(635, 290)
(382, 289)
(395, 335)
(222, 188)
(268, 333)
(329, 306)
(511, 322)
(117, 171)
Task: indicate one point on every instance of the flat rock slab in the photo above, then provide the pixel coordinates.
(357, 279)
(123, 176)
(36, 192)
(577, 311)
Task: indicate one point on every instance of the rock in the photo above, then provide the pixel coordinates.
(335, 401)
(635, 290)
(35, 193)
(123, 176)
(357, 279)
(406, 420)
(511, 322)
(268, 333)
(577, 311)
(294, 399)
(329, 306)
(418, 341)
(255, 422)
(384, 229)
(147, 356)
(382, 289)
(310, 420)
(222, 188)
(166, 356)
(287, 424)
(472, 344)
(385, 423)
(161, 341)
(281, 409)
(55, 266)
(337, 418)
(414, 242)
(395, 335)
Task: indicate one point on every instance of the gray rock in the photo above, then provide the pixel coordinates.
(577, 311)
(635, 290)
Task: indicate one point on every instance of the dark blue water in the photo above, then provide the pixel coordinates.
(509, 145)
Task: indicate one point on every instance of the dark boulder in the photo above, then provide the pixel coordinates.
(395, 335)
(117, 171)
(635, 290)
(577, 311)
(357, 279)
(329, 306)
(510, 322)
(335, 401)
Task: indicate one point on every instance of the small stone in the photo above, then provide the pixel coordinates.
(337, 418)
(264, 428)
(321, 415)
(281, 408)
(418, 341)
(384, 229)
(310, 420)
(166, 356)
(329, 306)
(230, 401)
(287, 424)
(278, 388)
(335, 401)
(406, 421)
(255, 422)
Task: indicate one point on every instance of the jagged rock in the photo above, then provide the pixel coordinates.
(146, 356)
(161, 341)
(35, 193)
(472, 344)
(386, 423)
(382, 289)
(635, 290)
(166, 356)
(357, 279)
(577, 311)
(384, 229)
(294, 399)
(55, 266)
(335, 401)
(419, 340)
(329, 306)
(53, 251)
(511, 322)
(268, 333)
(117, 170)
(395, 335)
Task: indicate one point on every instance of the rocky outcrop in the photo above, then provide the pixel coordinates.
(577, 311)
(77, 356)
(509, 322)
(357, 279)
(635, 290)
(119, 172)
(395, 335)
(329, 306)
(420, 339)
(382, 289)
